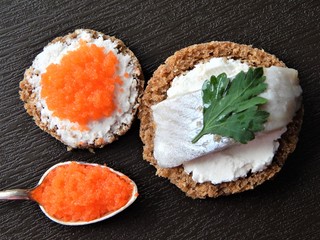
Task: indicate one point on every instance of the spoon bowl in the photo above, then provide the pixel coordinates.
(25, 194)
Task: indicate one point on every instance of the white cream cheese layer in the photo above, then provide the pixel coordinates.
(179, 118)
(124, 100)
(235, 161)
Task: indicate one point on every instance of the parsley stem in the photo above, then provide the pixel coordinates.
(196, 139)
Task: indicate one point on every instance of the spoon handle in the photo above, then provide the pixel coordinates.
(15, 194)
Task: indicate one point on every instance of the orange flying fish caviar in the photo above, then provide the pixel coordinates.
(77, 192)
(81, 87)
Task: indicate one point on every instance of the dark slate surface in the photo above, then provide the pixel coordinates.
(286, 208)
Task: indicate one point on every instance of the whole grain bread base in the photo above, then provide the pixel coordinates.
(30, 99)
(156, 91)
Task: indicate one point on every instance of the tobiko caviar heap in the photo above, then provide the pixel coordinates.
(84, 85)
(78, 192)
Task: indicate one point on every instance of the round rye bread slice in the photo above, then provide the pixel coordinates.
(156, 91)
(122, 118)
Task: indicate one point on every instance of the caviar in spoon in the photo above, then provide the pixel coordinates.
(73, 193)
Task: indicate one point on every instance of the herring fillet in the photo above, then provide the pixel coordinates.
(178, 120)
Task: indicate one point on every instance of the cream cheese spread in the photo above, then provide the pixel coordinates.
(124, 100)
(179, 118)
(235, 161)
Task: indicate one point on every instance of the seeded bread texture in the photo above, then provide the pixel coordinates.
(156, 91)
(30, 99)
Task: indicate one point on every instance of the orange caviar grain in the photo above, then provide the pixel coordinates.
(81, 87)
(126, 75)
(77, 192)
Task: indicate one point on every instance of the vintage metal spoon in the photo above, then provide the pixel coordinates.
(25, 194)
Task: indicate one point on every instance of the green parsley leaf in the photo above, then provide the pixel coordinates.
(230, 108)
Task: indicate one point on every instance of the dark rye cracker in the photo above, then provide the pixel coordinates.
(156, 91)
(30, 99)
